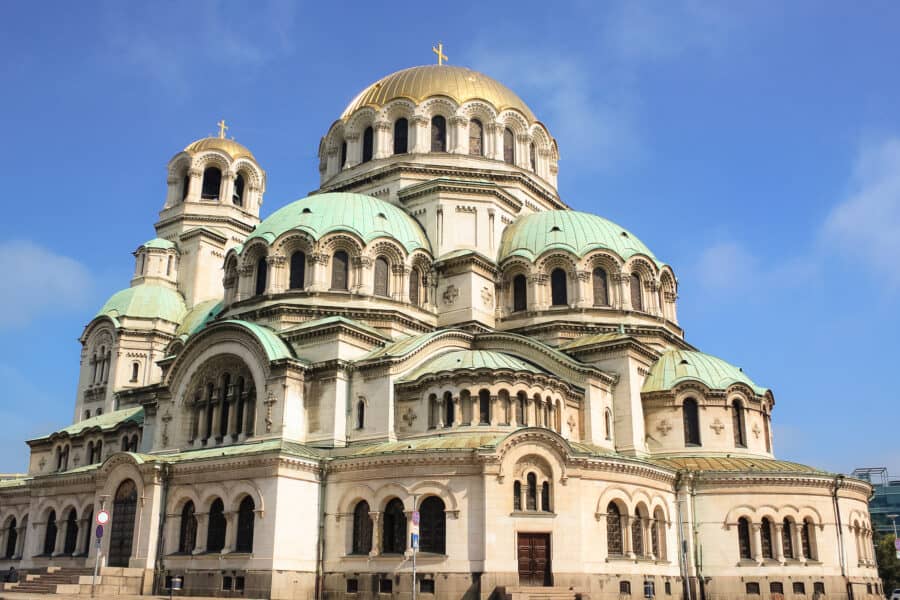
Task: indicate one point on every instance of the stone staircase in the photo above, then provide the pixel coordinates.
(543, 593)
(46, 583)
(74, 582)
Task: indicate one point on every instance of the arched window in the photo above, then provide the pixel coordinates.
(50, 534)
(90, 453)
(787, 538)
(343, 154)
(765, 532)
(517, 495)
(509, 146)
(298, 270)
(11, 538)
(215, 532)
(245, 520)
(637, 298)
(637, 534)
(362, 529)
(368, 144)
(659, 535)
(476, 138)
(212, 181)
(382, 272)
(401, 136)
(415, 280)
(806, 539)
(737, 423)
(135, 366)
(360, 414)
(237, 196)
(608, 424)
(484, 407)
(185, 185)
(449, 411)
(743, 530)
(532, 158)
(438, 134)
(613, 530)
(134, 443)
(393, 535)
(433, 528)
(340, 271)
(520, 293)
(187, 531)
(124, 443)
(262, 270)
(531, 492)
(71, 542)
(624, 588)
(98, 451)
(545, 496)
(601, 287)
(691, 422)
(433, 411)
(558, 292)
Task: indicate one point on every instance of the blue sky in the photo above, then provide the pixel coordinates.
(753, 146)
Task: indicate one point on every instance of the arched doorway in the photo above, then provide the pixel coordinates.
(122, 534)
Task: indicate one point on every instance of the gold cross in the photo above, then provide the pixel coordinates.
(222, 128)
(440, 52)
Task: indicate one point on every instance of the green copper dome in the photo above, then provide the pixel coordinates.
(677, 366)
(573, 231)
(470, 360)
(365, 216)
(146, 301)
(159, 243)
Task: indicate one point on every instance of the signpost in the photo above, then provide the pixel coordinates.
(102, 519)
(414, 544)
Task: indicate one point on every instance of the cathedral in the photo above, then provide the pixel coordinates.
(428, 379)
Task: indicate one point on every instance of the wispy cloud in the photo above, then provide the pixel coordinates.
(37, 280)
(865, 227)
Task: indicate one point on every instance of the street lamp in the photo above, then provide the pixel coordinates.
(893, 519)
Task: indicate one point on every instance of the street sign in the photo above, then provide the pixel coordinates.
(414, 541)
(103, 517)
(99, 531)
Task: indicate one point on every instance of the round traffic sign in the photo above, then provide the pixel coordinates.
(103, 517)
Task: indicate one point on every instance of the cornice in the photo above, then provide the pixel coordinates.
(460, 186)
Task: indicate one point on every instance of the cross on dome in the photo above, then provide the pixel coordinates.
(222, 128)
(439, 50)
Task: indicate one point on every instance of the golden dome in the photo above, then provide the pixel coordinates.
(418, 83)
(229, 147)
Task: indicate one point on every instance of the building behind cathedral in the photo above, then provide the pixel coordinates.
(269, 402)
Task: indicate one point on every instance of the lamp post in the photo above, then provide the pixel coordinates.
(893, 519)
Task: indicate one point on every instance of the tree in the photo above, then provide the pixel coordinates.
(888, 563)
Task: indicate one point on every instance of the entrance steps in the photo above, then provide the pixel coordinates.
(77, 581)
(543, 593)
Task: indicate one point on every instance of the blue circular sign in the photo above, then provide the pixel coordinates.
(99, 531)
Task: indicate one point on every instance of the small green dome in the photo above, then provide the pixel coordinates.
(470, 360)
(159, 243)
(146, 301)
(365, 216)
(573, 231)
(677, 366)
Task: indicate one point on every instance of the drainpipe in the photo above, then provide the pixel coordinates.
(320, 542)
(158, 570)
(682, 543)
(692, 489)
(838, 483)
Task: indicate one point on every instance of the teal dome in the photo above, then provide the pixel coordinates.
(569, 230)
(470, 360)
(159, 243)
(146, 301)
(365, 216)
(677, 366)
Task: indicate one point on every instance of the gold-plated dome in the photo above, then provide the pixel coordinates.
(230, 147)
(418, 83)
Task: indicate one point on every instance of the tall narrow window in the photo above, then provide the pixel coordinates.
(262, 270)
(212, 181)
(135, 367)
(12, 536)
(545, 496)
(360, 414)
(521, 415)
(601, 287)
(509, 147)
(520, 293)
(382, 272)
(608, 424)
(185, 185)
(558, 292)
(484, 407)
(517, 495)
(215, 532)
(737, 423)
(637, 298)
(237, 196)
(362, 529)
(743, 530)
(368, 144)
(245, 522)
(298, 270)
(438, 134)
(71, 541)
(765, 533)
(691, 422)
(433, 534)
(787, 538)
(415, 280)
(340, 270)
(449, 410)
(343, 154)
(531, 492)
(50, 534)
(806, 539)
(658, 535)
(637, 534)
(532, 158)
(187, 534)
(476, 138)
(98, 451)
(393, 538)
(401, 136)
(613, 530)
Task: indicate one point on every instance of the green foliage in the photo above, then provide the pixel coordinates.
(888, 563)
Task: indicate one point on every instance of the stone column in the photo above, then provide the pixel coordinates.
(459, 138)
(495, 131)
(523, 151)
(230, 532)
(649, 526)
(354, 150)
(382, 142)
(194, 187)
(62, 527)
(583, 297)
(332, 164)
(216, 409)
(756, 541)
(245, 282)
(440, 410)
(798, 542)
(627, 546)
(495, 410)
(226, 189)
(419, 128)
(778, 542)
(376, 533)
(21, 533)
(232, 411)
(514, 410)
(202, 532)
(83, 545)
(274, 277)
(457, 412)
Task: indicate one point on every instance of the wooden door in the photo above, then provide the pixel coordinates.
(123, 516)
(534, 559)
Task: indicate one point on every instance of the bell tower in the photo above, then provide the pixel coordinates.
(215, 190)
